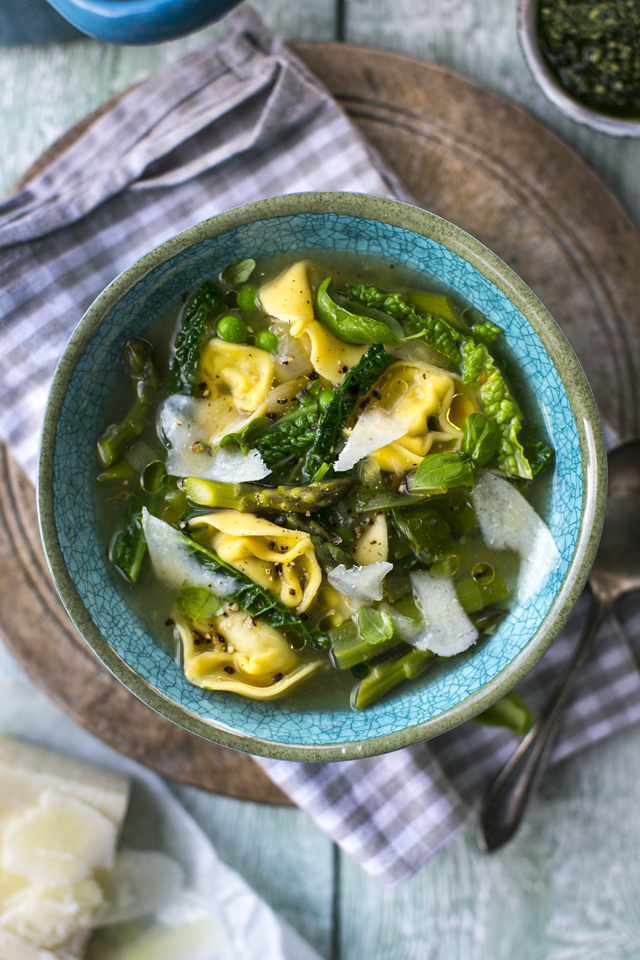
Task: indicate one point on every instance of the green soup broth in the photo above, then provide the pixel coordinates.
(115, 500)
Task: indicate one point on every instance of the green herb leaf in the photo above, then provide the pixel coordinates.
(154, 477)
(429, 537)
(128, 546)
(197, 603)
(539, 455)
(247, 436)
(481, 439)
(374, 626)
(444, 470)
(352, 327)
(238, 271)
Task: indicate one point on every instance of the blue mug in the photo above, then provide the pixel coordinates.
(141, 21)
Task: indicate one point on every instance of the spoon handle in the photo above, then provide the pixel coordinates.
(504, 803)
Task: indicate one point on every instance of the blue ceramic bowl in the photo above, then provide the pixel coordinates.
(86, 376)
(141, 21)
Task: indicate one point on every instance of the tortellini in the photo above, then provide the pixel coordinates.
(413, 393)
(238, 653)
(289, 298)
(280, 560)
(232, 370)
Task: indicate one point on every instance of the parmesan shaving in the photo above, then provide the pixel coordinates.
(374, 429)
(174, 562)
(509, 522)
(360, 583)
(448, 629)
(185, 425)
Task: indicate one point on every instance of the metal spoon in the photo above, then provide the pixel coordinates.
(616, 571)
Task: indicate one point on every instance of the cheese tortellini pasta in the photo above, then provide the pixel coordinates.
(238, 653)
(280, 560)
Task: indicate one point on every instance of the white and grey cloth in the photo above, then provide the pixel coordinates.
(240, 120)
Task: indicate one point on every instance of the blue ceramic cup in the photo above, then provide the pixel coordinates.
(141, 21)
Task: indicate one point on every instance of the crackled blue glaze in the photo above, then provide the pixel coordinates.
(81, 421)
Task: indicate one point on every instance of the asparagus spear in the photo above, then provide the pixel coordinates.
(140, 361)
(510, 712)
(386, 675)
(327, 545)
(349, 648)
(250, 498)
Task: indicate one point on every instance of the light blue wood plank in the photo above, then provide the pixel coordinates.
(479, 39)
(279, 851)
(567, 887)
(45, 89)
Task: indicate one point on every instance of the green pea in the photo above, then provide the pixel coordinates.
(232, 329)
(267, 341)
(326, 397)
(247, 297)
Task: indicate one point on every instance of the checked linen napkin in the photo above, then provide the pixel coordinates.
(240, 120)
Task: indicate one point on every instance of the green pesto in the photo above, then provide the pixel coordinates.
(594, 47)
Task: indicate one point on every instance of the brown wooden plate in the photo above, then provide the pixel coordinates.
(468, 155)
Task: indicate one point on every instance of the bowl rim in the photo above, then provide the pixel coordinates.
(594, 465)
(551, 86)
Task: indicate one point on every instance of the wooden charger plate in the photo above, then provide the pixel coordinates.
(468, 155)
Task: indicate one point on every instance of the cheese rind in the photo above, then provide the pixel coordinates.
(26, 771)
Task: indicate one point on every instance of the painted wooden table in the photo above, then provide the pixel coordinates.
(568, 887)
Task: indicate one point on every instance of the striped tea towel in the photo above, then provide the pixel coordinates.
(240, 120)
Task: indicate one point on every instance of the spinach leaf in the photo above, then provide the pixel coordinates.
(357, 382)
(444, 470)
(481, 439)
(353, 327)
(238, 272)
(429, 536)
(538, 454)
(186, 359)
(128, 546)
(197, 603)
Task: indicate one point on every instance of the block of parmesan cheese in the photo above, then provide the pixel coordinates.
(59, 824)
(26, 771)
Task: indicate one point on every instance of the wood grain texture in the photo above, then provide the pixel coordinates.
(566, 888)
(479, 39)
